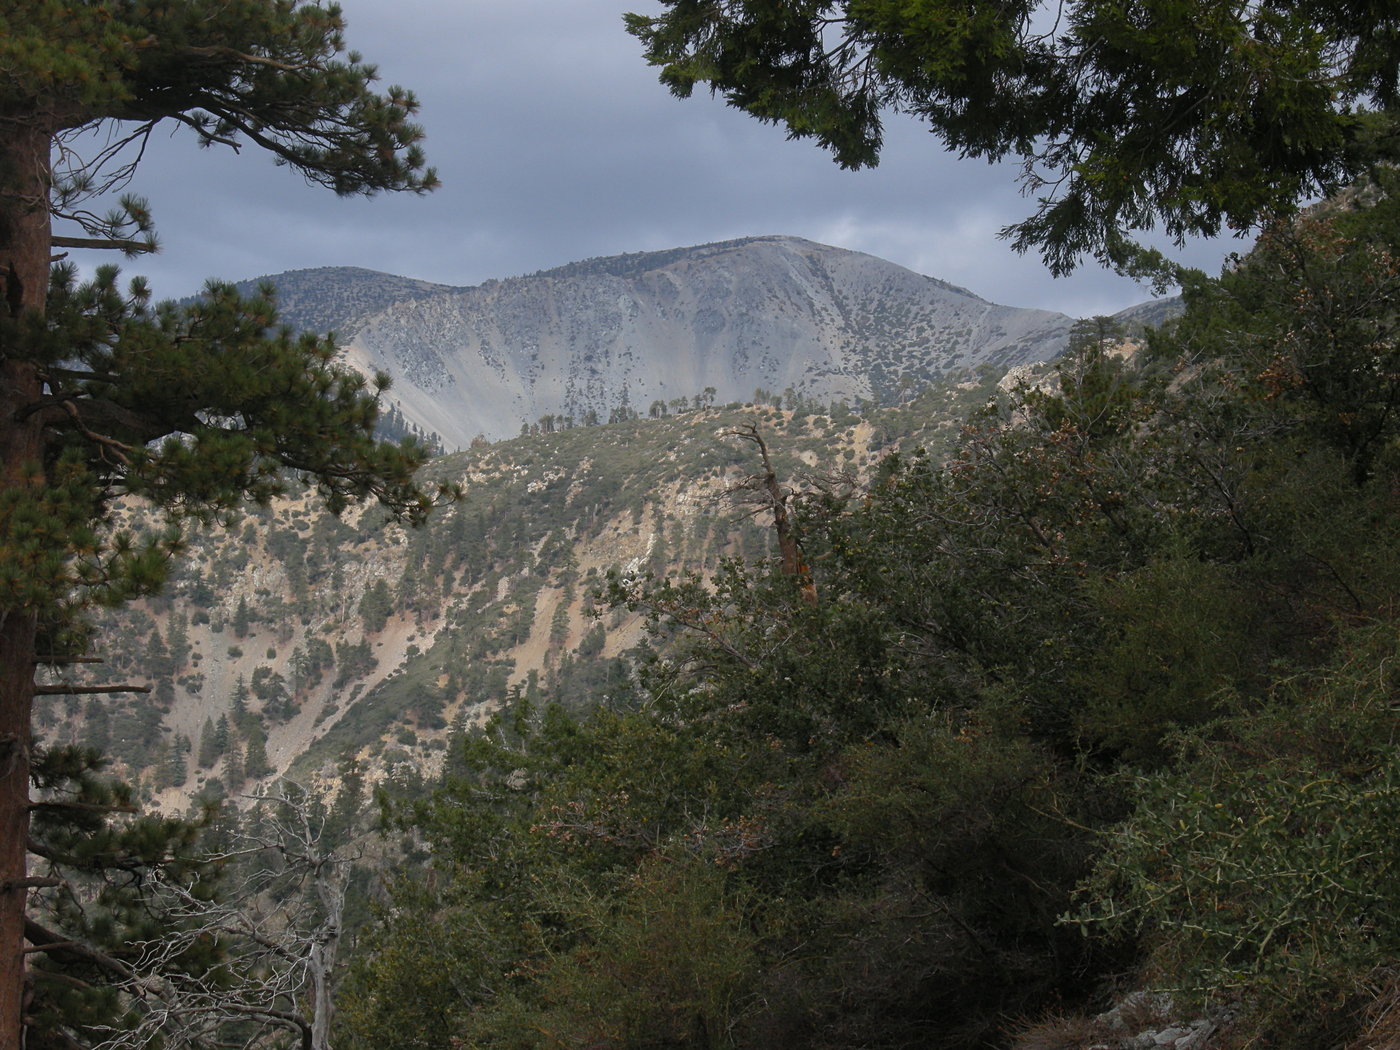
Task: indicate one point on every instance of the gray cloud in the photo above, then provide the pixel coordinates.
(554, 143)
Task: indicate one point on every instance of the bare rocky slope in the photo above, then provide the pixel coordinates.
(583, 341)
(297, 642)
(294, 642)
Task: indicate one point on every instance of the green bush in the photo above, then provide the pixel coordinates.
(1264, 868)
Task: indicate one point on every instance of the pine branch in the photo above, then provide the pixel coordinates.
(68, 979)
(67, 689)
(32, 883)
(52, 947)
(80, 374)
(61, 949)
(220, 140)
(87, 807)
(49, 853)
(84, 413)
(244, 57)
(124, 244)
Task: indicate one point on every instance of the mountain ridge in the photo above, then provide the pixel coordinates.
(617, 335)
(308, 640)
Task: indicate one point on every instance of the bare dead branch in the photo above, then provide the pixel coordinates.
(765, 490)
(69, 689)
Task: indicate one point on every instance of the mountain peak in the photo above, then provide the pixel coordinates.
(621, 333)
(339, 298)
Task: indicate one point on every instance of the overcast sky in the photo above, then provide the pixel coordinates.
(554, 142)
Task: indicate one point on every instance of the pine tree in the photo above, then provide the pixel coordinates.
(74, 833)
(235, 766)
(208, 746)
(1128, 116)
(376, 606)
(238, 704)
(176, 770)
(347, 812)
(242, 620)
(255, 763)
(179, 640)
(196, 408)
(271, 689)
(98, 725)
(223, 735)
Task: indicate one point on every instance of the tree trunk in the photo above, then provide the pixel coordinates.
(16, 690)
(794, 566)
(24, 265)
(330, 889)
(24, 216)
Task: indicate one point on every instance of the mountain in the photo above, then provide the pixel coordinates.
(614, 336)
(314, 639)
(295, 640)
(339, 298)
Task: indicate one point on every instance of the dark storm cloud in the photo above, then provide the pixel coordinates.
(554, 143)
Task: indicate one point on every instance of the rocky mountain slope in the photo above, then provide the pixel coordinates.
(295, 642)
(615, 336)
(339, 298)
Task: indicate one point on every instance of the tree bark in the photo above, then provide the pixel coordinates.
(24, 263)
(794, 566)
(330, 890)
(24, 213)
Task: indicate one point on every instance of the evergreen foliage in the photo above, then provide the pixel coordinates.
(209, 747)
(1106, 102)
(376, 606)
(1103, 692)
(195, 408)
(95, 907)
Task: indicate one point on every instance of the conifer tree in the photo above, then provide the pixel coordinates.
(375, 606)
(242, 620)
(175, 770)
(235, 766)
(271, 688)
(178, 640)
(97, 724)
(1127, 115)
(196, 408)
(223, 734)
(347, 811)
(208, 746)
(238, 704)
(255, 763)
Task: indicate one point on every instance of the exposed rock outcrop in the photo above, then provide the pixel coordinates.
(623, 332)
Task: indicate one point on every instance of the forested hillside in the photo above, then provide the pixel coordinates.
(295, 641)
(1101, 701)
(1052, 710)
(1067, 723)
(1065, 720)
